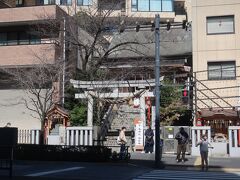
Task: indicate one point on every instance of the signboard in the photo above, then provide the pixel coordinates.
(138, 134)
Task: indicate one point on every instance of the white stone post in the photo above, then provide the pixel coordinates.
(81, 137)
(235, 138)
(91, 137)
(72, 138)
(68, 143)
(33, 137)
(77, 138)
(37, 136)
(90, 111)
(234, 149)
(86, 137)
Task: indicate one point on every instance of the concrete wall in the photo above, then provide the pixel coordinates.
(27, 54)
(23, 14)
(220, 47)
(11, 110)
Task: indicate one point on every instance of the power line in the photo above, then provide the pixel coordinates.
(222, 97)
(217, 88)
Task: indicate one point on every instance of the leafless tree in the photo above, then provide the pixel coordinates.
(40, 82)
(87, 36)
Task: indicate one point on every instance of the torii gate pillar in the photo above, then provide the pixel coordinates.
(90, 112)
(89, 106)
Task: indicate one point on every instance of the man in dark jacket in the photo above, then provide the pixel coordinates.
(182, 138)
(149, 142)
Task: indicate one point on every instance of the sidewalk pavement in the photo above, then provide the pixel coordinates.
(225, 164)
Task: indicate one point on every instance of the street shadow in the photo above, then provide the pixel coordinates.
(213, 172)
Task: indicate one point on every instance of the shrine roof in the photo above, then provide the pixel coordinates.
(175, 42)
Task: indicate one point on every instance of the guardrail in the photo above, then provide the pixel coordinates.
(197, 132)
(234, 141)
(28, 136)
(79, 136)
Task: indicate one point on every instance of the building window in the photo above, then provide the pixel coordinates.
(18, 38)
(152, 5)
(221, 70)
(23, 38)
(49, 2)
(12, 38)
(34, 39)
(84, 2)
(3, 39)
(19, 3)
(64, 2)
(220, 25)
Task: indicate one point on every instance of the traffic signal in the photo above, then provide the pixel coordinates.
(185, 95)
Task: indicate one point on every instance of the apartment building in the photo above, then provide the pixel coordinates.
(172, 10)
(216, 60)
(21, 46)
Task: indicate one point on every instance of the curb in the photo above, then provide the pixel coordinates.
(212, 168)
(198, 168)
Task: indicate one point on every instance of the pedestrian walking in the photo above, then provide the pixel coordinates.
(122, 141)
(149, 142)
(204, 146)
(182, 138)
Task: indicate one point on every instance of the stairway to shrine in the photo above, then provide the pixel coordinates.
(124, 117)
(55, 130)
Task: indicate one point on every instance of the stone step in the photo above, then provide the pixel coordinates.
(116, 132)
(124, 117)
(112, 141)
(55, 130)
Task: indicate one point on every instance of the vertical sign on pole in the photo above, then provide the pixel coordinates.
(138, 134)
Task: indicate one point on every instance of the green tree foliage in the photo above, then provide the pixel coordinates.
(79, 115)
(77, 107)
(171, 108)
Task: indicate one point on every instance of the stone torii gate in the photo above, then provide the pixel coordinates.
(90, 88)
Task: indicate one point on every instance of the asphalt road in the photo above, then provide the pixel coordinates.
(74, 170)
(139, 165)
(188, 175)
(30, 170)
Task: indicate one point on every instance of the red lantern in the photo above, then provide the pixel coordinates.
(199, 122)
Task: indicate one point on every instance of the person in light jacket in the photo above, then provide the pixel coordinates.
(122, 141)
(204, 145)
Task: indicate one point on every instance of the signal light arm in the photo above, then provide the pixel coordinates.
(184, 25)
